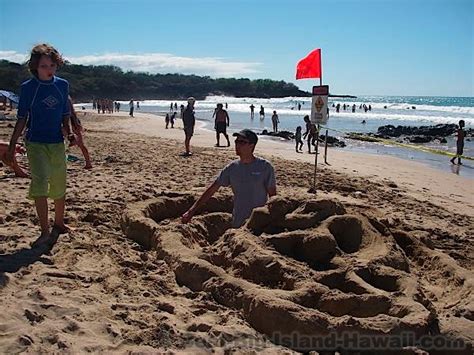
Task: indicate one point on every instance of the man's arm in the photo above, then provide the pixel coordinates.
(211, 190)
(227, 118)
(19, 127)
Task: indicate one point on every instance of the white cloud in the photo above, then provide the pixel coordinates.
(158, 63)
(13, 56)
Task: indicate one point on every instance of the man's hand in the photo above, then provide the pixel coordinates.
(186, 217)
(77, 129)
(72, 139)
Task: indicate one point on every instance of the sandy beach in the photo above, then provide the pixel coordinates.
(385, 247)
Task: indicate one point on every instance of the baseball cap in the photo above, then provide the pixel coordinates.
(248, 135)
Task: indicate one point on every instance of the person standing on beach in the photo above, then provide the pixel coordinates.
(44, 110)
(262, 112)
(252, 108)
(251, 178)
(311, 132)
(298, 140)
(221, 123)
(275, 122)
(459, 143)
(79, 137)
(132, 107)
(188, 122)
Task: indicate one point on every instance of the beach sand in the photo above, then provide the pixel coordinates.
(384, 247)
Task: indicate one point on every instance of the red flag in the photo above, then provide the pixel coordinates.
(310, 67)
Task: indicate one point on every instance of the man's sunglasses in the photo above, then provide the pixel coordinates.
(241, 141)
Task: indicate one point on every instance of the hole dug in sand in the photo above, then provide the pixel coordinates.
(299, 266)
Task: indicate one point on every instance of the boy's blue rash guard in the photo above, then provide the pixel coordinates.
(44, 103)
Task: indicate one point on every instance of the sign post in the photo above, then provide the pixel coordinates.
(319, 115)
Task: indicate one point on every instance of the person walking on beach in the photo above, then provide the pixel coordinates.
(275, 122)
(251, 178)
(79, 138)
(459, 143)
(262, 112)
(221, 123)
(188, 121)
(132, 107)
(298, 140)
(44, 110)
(252, 108)
(311, 132)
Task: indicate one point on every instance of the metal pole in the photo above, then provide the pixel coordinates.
(313, 188)
(326, 148)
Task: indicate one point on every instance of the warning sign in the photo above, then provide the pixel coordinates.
(319, 107)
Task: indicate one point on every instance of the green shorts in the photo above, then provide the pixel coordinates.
(48, 170)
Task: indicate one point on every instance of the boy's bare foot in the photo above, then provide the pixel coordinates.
(88, 166)
(452, 161)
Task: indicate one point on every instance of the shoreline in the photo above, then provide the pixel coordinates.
(418, 178)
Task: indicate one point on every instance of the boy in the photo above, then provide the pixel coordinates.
(44, 110)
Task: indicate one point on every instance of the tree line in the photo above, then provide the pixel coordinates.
(108, 81)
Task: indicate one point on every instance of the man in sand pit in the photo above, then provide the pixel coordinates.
(188, 122)
(252, 180)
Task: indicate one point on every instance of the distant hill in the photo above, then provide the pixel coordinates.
(107, 81)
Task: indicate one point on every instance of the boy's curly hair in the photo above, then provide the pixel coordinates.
(40, 50)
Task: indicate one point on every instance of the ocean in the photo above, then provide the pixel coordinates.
(394, 110)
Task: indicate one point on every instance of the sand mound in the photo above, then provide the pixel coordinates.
(301, 268)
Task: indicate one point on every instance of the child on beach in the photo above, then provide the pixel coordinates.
(79, 138)
(298, 140)
(459, 143)
(19, 172)
(167, 120)
(44, 110)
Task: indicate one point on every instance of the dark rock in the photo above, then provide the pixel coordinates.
(282, 134)
(442, 130)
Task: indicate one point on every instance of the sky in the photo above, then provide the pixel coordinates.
(369, 47)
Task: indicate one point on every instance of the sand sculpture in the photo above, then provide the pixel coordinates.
(302, 270)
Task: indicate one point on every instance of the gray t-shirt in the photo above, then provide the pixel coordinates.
(250, 184)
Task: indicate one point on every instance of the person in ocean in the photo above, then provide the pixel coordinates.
(275, 122)
(459, 142)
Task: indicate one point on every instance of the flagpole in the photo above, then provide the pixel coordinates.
(321, 68)
(318, 127)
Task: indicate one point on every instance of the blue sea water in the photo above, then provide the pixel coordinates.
(394, 110)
